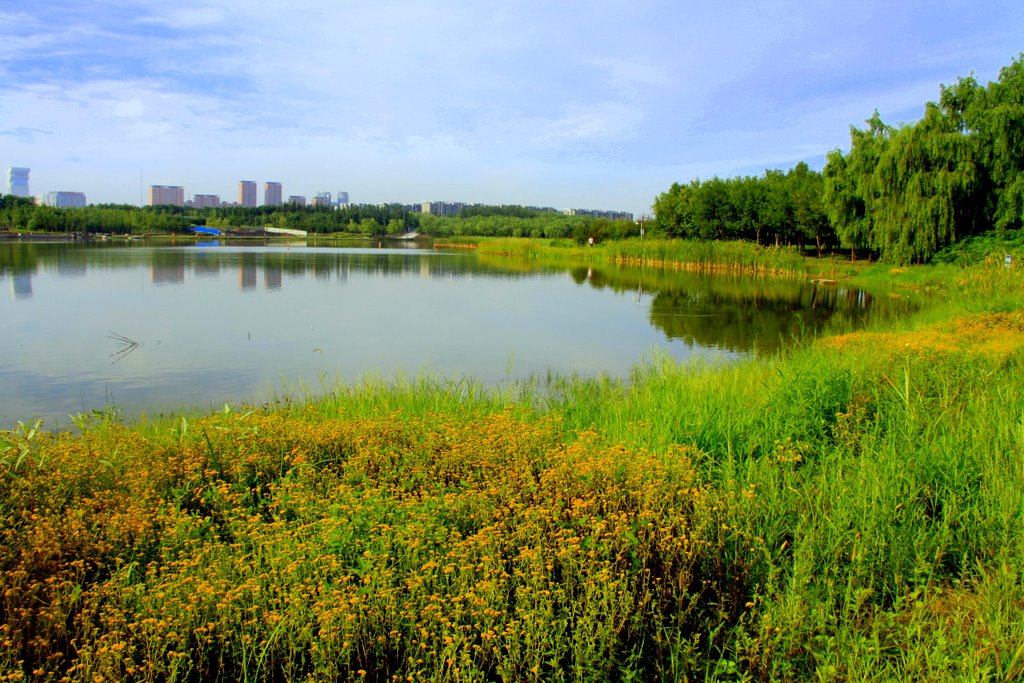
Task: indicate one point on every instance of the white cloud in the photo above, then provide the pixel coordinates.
(600, 123)
(160, 132)
(131, 108)
(629, 73)
(187, 17)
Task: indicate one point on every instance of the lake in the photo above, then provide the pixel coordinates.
(161, 326)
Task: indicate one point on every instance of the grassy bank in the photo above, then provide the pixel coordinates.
(704, 256)
(725, 256)
(852, 510)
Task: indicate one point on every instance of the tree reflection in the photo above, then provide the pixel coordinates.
(736, 313)
(733, 313)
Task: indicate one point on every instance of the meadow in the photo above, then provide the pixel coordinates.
(851, 509)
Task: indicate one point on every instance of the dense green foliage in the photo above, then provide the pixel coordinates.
(22, 214)
(902, 192)
(541, 225)
(392, 219)
(502, 210)
(976, 248)
(907, 192)
(779, 208)
(355, 219)
(98, 218)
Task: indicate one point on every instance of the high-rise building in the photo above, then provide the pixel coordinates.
(297, 200)
(206, 201)
(166, 195)
(65, 200)
(600, 213)
(271, 194)
(247, 193)
(442, 208)
(322, 199)
(342, 198)
(17, 181)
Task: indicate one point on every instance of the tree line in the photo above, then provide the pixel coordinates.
(359, 219)
(908, 191)
(904, 192)
(777, 207)
(541, 224)
(19, 213)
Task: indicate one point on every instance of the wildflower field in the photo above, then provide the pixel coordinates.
(850, 510)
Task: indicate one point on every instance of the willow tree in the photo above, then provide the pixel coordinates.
(850, 188)
(992, 117)
(924, 189)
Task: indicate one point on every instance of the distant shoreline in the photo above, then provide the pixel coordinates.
(40, 236)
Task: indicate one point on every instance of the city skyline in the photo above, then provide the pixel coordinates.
(272, 196)
(533, 102)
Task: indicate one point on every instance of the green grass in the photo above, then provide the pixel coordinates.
(851, 509)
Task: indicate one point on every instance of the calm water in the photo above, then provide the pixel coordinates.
(158, 327)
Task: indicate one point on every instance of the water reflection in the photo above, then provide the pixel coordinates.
(216, 323)
(731, 312)
(272, 277)
(21, 285)
(738, 313)
(167, 267)
(247, 272)
(174, 265)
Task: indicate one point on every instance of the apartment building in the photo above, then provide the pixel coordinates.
(166, 195)
(17, 181)
(247, 193)
(272, 194)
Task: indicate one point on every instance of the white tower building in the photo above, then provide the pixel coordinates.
(17, 181)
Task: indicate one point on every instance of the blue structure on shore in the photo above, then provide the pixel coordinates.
(204, 231)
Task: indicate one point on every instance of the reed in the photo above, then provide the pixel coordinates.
(707, 256)
(736, 257)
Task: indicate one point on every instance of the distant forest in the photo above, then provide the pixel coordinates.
(18, 213)
(902, 192)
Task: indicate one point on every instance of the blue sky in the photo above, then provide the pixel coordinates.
(599, 104)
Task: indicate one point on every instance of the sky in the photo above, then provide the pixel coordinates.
(598, 105)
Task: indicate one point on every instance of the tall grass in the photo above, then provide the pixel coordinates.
(716, 256)
(705, 256)
(852, 509)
